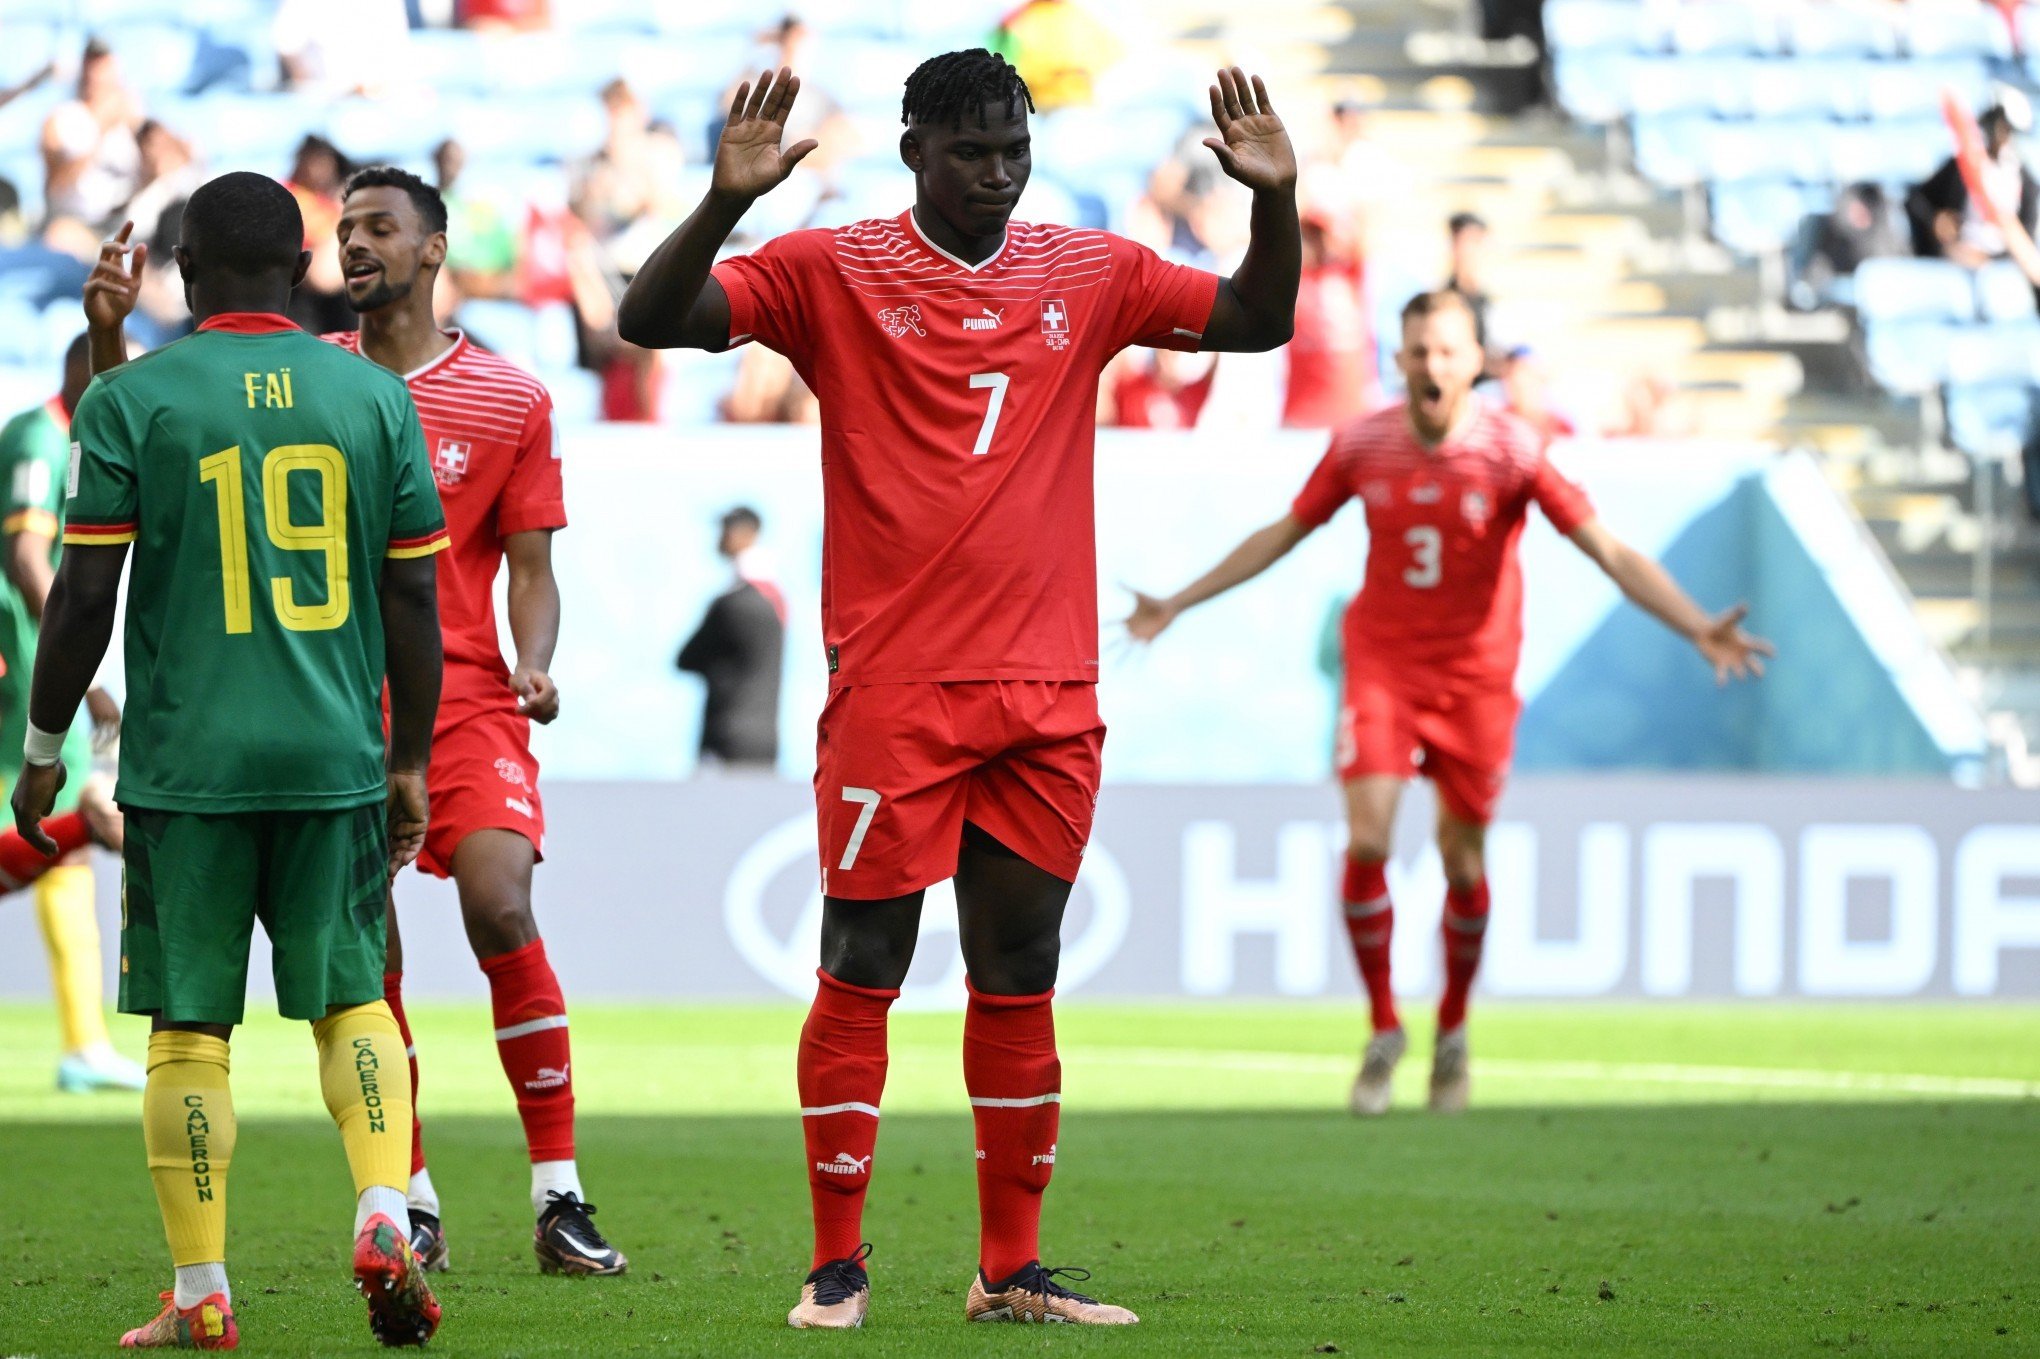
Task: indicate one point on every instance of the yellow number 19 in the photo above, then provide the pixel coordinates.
(328, 535)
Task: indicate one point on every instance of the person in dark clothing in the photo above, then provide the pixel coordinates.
(1468, 234)
(737, 651)
(1945, 224)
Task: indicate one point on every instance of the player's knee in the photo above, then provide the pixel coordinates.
(870, 943)
(1368, 846)
(499, 920)
(1464, 856)
(1025, 967)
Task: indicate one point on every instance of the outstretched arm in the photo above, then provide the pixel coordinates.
(1260, 550)
(1256, 307)
(673, 302)
(1720, 639)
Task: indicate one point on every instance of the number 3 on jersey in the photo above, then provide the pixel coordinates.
(329, 535)
(1427, 557)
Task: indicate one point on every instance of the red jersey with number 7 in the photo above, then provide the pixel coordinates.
(959, 412)
(1443, 594)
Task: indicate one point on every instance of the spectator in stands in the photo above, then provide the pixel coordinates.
(1332, 373)
(505, 16)
(169, 173)
(1947, 224)
(318, 173)
(91, 161)
(768, 392)
(1469, 245)
(619, 183)
(1859, 228)
(1526, 390)
(1160, 388)
(738, 652)
(329, 47)
(1061, 50)
(1352, 175)
(481, 246)
(1164, 218)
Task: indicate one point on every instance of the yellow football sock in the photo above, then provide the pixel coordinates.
(368, 1092)
(188, 1129)
(70, 928)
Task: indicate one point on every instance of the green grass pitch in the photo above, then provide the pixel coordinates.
(1773, 1180)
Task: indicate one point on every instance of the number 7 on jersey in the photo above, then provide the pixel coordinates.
(998, 382)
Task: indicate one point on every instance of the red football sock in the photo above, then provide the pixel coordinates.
(1370, 924)
(393, 996)
(1465, 929)
(1015, 1084)
(531, 1040)
(842, 1075)
(22, 863)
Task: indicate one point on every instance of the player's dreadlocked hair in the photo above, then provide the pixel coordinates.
(945, 89)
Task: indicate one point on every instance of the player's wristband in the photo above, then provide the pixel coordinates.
(42, 747)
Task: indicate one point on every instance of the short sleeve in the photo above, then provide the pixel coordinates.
(35, 485)
(766, 289)
(1160, 305)
(417, 521)
(1327, 489)
(534, 497)
(1561, 499)
(100, 486)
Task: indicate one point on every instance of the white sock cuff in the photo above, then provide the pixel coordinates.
(554, 1177)
(196, 1283)
(422, 1196)
(379, 1198)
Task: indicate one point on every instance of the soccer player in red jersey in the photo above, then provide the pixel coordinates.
(1431, 643)
(496, 457)
(956, 355)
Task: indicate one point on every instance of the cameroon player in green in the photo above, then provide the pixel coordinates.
(282, 513)
(35, 448)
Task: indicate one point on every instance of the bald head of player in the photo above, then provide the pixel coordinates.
(243, 246)
(392, 239)
(1441, 359)
(967, 142)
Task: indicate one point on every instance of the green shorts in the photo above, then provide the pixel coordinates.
(77, 754)
(196, 884)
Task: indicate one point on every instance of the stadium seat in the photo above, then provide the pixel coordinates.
(21, 336)
(1914, 290)
(576, 394)
(1955, 31)
(1673, 150)
(1784, 89)
(1990, 419)
(2003, 292)
(1757, 216)
(386, 129)
(156, 58)
(1712, 27)
(1595, 86)
(506, 328)
(1667, 85)
(1905, 357)
(1592, 25)
(1912, 89)
(2003, 351)
(1820, 29)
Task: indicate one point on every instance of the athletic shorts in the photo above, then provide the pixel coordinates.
(196, 884)
(482, 777)
(1460, 740)
(899, 768)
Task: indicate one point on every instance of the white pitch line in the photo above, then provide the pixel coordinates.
(1659, 1073)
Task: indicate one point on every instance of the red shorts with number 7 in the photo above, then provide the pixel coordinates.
(900, 767)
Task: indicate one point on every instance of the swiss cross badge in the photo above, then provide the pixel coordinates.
(1055, 323)
(450, 463)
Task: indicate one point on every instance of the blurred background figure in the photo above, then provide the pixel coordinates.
(1061, 50)
(1468, 236)
(738, 651)
(317, 174)
(92, 162)
(1947, 223)
(359, 47)
(1332, 364)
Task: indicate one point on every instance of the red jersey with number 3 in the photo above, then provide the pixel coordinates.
(959, 411)
(1444, 591)
(496, 457)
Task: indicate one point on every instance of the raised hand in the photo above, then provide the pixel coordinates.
(1150, 617)
(1252, 145)
(115, 284)
(748, 160)
(1733, 653)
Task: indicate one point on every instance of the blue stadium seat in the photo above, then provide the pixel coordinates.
(606, 16)
(1666, 85)
(1673, 150)
(2003, 351)
(1906, 357)
(1755, 150)
(1914, 290)
(1911, 89)
(21, 336)
(1785, 89)
(156, 57)
(1590, 25)
(1718, 27)
(2003, 292)
(1757, 216)
(1822, 29)
(36, 276)
(1898, 152)
(538, 127)
(62, 321)
(1595, 86)
(507, 328)
(1956, 31)
(385, 129)
(1990, 419)
(576, 395)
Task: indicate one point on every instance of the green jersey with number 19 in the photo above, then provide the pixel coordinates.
(263, 477)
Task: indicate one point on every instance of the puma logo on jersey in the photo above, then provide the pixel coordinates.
(521, 807)
(548, 1078)
(1427, 494)
(899, 320)
(989, 321)
(844, 1164)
